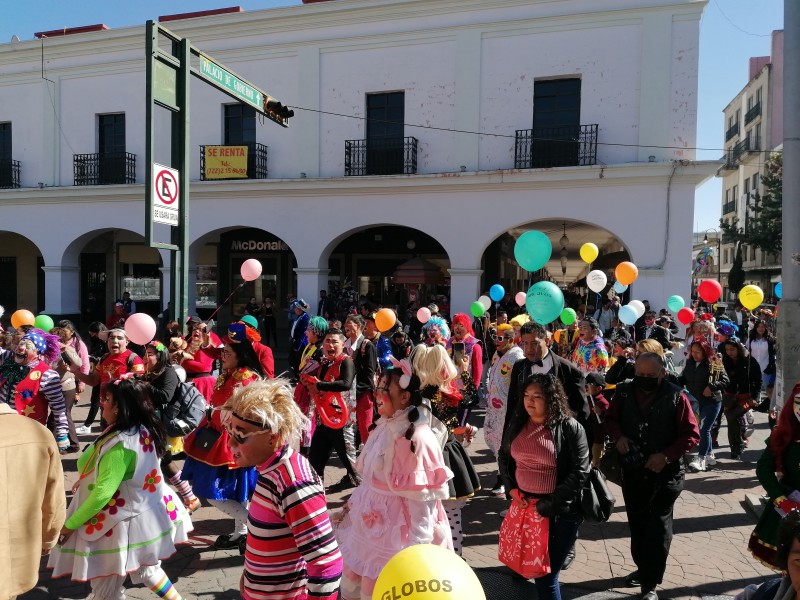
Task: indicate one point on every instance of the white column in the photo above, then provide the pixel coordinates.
(62, 290)
(309, 283)
(464, 289)
(654, 87)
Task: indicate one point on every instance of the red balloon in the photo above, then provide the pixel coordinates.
(685, 315)
(709, 290)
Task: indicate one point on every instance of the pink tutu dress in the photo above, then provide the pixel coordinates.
(399, 503)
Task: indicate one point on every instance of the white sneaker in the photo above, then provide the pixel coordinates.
(698, 463)
(711, 461)
(83, 430)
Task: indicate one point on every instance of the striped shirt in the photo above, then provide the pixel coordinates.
(535, 454)
(291, 549)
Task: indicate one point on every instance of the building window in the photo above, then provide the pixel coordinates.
(112, 162)
(240, 125)
(738, 116)
(556, 123)
(747, 187)
(758, 96)
(755, 183)
(385, 129)
(6, 171)
(725, 256)
(752, 252)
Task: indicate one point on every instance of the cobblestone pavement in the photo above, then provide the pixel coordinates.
(709, 554)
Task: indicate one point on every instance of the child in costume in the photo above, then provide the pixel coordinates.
(123, 519)
(436, 373)
(399, 503)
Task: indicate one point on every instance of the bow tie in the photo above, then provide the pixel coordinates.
(537, 363)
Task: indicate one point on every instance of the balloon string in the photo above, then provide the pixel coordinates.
(224, 302)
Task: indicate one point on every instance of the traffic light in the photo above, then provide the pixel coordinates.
(278, 112)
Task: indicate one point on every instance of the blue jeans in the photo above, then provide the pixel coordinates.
(563, 533)
(709, 411)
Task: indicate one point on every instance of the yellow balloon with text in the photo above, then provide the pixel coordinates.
(427, 572)
(751, 296)
(589, 252)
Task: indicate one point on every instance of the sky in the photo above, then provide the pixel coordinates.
(731, 31)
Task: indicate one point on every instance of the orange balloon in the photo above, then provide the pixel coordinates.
(385, 319)
(22, 317)
(626, 273)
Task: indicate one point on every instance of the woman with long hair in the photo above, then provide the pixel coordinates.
(164, 383)
(761, 346)
(705, 378)
(209, 465)
(778, 470)
(97, 349)
(742, 393)
(123, 518)
(545, 457)
(198, 358)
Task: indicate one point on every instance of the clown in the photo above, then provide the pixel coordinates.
(467, 354)
(28, 384)
(508, 352)
(435, 331)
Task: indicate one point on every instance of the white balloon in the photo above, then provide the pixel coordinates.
(638, 307)
(596, 281)
(486, 301)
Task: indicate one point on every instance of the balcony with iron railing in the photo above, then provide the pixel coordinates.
(107, 168)
(256, 163)
(9, 173)
(733, 156)
(733, 130)
(546, 147)
(387, 156)
(728, 207)
(752, 113)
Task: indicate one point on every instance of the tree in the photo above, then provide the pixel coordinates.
(764, 229)
(736, 274)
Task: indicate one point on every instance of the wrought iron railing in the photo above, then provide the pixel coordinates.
(387, 156)
(9, 173)
(733, 130)
(728, 207)
(752, 113)
(568, 146)
(256, 162)
(733, 156)
(106, 168)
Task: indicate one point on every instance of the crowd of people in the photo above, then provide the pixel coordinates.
(398, 407)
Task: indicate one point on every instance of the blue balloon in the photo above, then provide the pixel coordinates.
(532, 250)
(627, 314)
(779, 290)
(544, 302)
(496, 292)
(619, 288)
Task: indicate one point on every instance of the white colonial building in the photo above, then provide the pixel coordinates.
(435, 129)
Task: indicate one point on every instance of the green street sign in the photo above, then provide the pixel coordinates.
(231, 84)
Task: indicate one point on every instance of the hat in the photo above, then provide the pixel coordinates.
(37, 340)
(663, 319)
(726, 329)
(596, 379)
(194, 319)
(250, 320)
(301, 304)
(237, 333)
(706, 317)
(433, 308)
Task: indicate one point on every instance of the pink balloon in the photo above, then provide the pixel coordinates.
(251, 269)
(520, 298)
(140, 328)
(424, 314)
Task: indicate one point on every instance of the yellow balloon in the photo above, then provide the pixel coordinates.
(427, 572)
(751, 296)
(589, 252)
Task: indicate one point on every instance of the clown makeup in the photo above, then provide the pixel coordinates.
(333, 345)
(117, 342)
(433, 335)
(459, 331)
(25, 352)
(796, 401)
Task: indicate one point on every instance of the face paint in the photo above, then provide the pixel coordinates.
(797, 407)
(25, 352)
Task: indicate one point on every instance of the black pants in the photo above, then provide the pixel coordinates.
(649, 499)
(94, 406)
(733, 412)
(326, 439)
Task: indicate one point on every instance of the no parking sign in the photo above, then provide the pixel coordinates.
(165, 195)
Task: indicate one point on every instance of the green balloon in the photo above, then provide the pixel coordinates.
(568, 316)
(544, 302)
(477, 309)
(44, 323)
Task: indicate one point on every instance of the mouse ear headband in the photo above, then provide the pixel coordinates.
(404, 366)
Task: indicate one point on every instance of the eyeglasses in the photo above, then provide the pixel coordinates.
(225, 352)
(241, 438)
(502, 338)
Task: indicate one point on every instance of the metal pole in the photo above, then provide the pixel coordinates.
(789, 314)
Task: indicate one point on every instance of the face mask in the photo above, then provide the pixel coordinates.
(647, 384)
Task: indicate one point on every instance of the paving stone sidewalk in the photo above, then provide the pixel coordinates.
(709, 554)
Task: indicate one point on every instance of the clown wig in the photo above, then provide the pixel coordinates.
(438, 322)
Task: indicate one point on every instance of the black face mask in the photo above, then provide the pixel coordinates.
(647, 384)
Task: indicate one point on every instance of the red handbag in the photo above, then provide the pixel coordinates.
(523, 539)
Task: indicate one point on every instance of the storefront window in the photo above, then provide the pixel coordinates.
(206, 286)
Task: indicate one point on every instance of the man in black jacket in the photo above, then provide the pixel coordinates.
(653, 425)
(651, 330)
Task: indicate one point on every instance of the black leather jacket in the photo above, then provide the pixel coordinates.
(572, 469)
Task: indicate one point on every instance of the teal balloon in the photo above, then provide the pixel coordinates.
(627, 314)
(477, 309)
(568, 316)
(496, 292)
(44, 323)
(532, 250)
(544, 302)
(675, 303)
(619, 288)
(779, 290)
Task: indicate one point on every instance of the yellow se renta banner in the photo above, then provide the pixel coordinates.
(225, 162)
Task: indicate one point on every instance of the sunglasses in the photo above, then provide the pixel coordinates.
(502, 338)
(242, 437)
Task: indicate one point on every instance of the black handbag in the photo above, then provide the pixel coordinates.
(205, 437)
(597, 501)
(609, 465)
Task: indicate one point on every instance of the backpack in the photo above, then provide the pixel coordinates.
(185, 411)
